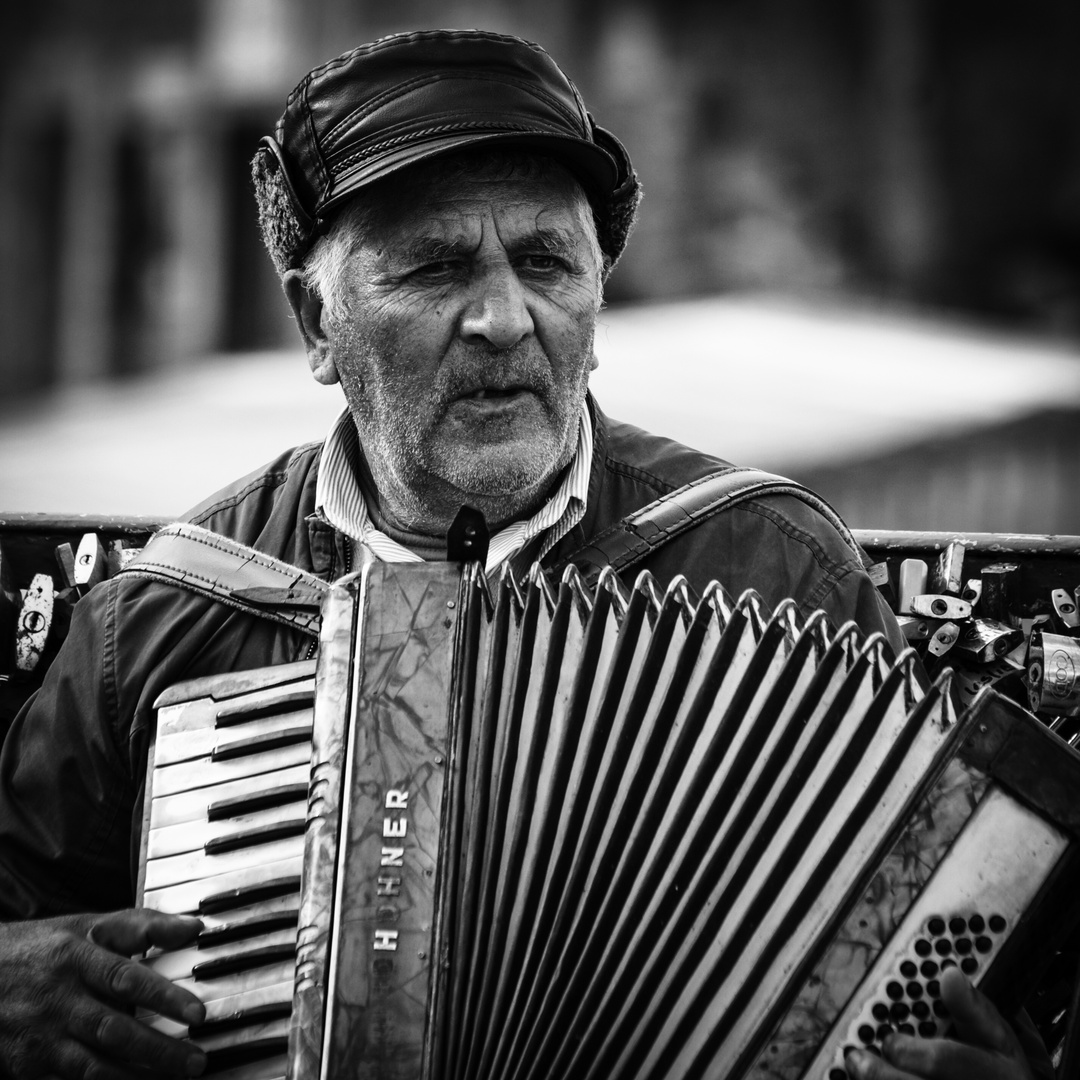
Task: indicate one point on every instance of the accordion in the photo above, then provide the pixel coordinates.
(541, 831)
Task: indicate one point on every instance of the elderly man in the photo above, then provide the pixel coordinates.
(443, 213)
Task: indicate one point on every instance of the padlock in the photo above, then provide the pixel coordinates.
(943, 639)
(1053, 673)
(987, 639)
(913, 574)
(940, 607)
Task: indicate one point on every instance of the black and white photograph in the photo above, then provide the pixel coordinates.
(540, 540)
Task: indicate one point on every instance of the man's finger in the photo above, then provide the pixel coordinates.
(907, 1057)
(134, 931)
(116, 978)
(74, 1059)
(125, 1039)
(985, 1047)
(112, 976)
(977, 1021)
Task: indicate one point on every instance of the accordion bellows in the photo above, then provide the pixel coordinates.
(559, 832)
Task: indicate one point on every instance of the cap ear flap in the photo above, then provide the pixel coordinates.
(606, 141)
(269, 145)
(615, 218)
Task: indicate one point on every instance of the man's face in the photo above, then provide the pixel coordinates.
(466, 348)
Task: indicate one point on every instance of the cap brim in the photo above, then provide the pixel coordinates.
(593, 166)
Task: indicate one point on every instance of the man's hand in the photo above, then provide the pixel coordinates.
(67, 988)
(985, 1046)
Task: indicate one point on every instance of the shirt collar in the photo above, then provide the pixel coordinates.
(339, 498)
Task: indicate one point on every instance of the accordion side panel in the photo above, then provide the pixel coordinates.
(872, 922)
(380, 967)
(971, 868)
(989, 877)
(333, 683)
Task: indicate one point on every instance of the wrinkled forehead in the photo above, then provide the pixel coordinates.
(463, 185)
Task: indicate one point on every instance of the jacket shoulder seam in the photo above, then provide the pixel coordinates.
(275, 478)
(833, 569)
(829, 584)
(633, 472)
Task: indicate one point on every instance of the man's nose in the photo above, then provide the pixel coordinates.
(498, 310)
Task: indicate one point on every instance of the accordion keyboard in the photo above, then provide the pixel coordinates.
(224, 834)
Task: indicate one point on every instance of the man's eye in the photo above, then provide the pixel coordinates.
(543, 262)
(439, 269)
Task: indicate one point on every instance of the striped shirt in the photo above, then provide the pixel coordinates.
(340, 499)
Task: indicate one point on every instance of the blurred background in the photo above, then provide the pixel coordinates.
(858, 260)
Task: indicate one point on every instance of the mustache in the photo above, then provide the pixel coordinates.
(489, 369)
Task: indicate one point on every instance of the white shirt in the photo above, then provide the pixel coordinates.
(340, 499)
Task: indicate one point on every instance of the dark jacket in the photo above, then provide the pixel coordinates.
(73, 765)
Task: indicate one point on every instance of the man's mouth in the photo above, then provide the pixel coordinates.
(493, 392)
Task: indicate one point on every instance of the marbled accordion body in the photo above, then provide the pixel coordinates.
(561, 833)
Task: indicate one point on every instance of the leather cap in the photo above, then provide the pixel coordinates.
(410, 97)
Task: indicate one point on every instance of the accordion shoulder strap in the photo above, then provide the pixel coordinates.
(642, 532)
(193, 558)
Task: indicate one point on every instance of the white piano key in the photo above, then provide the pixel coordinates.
(202, 709)
(192, 805)
(188, 775)
(201, 712)
(251, 911)
(185, 898)
(178, 965)
(185, 745)
(192, 835)
(243, 710)
(274, 906)
(216, 1008)
(198, 866)
(270, 1069)
(238, 982)
(238, 1037)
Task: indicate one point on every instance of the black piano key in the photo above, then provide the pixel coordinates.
(257, 1014)
(257, 744)
(262, 834)
(227, 933)
(231, 1057)
(242, 713)
(244, 961)
(249, 804)
(249, 894)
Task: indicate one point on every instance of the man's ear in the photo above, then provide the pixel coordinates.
(307, 306)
